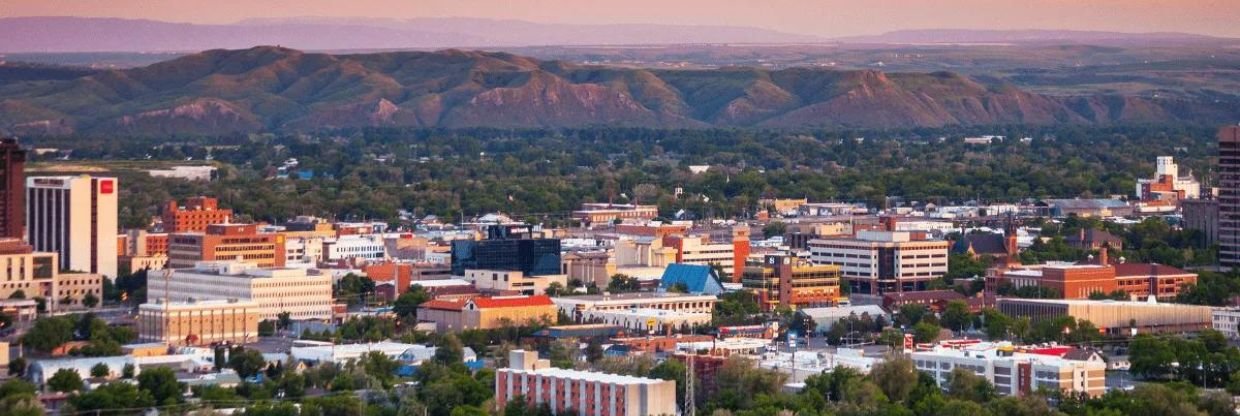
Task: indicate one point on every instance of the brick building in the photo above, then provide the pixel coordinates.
(194, 217)
(239, 242)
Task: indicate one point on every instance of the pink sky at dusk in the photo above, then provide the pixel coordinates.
(815, 17)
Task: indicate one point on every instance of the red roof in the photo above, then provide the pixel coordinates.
(444, 304)
(1055, 351)
(512, 301)
(1146, 269)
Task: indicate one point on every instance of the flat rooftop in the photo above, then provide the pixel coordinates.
(633, 296)
(588, 376)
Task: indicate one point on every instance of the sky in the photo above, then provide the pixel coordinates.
(827, 18)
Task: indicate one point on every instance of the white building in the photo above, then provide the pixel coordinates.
(76, 217)
(1226, 321)
(329, 353)
(1014, 372)
(303, 250)
(587, 393)
(512, 280)
(189, 173)
(878, 262)
(648, 320)
(804, 364)
(347, 247)
(1168, 172)
(577, 306)
(304, 294)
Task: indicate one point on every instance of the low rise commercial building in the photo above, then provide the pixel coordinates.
(586, 393)
(792, 281)
(198, 322)
(653, 321)
(481, 312)
(589, 267)
(577, 306)
(1079, 281)
(1013, 372)
(1115, 317)
(604, 213)
(512, 281)
(304, 294)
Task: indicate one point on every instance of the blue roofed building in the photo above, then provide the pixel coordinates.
(697, 279)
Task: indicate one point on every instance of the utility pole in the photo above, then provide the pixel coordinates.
(167, 299)
(690, 405)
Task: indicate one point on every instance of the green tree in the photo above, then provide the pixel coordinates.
(925, 332)
(100, 370)
(49, 333)
(90, 300)
(65, 380)
(128, 371)
(380, 366)
(956, 315)
(406, 305)
(246, 362)
(895, 376)
(967, 385)
(115, 395)
(674, 370)
(162, 383)
(284, 320)
(17, 367)
(450, 351)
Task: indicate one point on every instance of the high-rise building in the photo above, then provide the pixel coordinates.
(12, 189)
(194, 217)
(74, 216)
(1229, 197)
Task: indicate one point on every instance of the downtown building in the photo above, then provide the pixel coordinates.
(1229, 197)
(583, 393)
(878, 262)
(792, 281)
(12, 189)
(1017, 372)
(194, 217)
(230, 242)
(304, 294)
(75, 217)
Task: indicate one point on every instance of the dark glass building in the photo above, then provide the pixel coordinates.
(502, 250)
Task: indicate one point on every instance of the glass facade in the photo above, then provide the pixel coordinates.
(532, 257)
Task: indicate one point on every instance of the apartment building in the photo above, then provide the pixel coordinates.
(230, 242)
(789, 280)
(583, 392)
(304, 294)
(878, 262)
(1017, 372)
(198, 322)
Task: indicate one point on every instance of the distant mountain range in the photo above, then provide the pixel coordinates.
(280, 89)
(965, 36)
(74, 34)
(77, 34)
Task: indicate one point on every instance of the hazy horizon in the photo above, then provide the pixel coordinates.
(824, 18)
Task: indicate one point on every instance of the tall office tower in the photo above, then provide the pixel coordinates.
(74, 216)
(1229, 197)
(12, 189)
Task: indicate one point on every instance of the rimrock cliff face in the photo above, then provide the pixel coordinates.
(270, 88)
